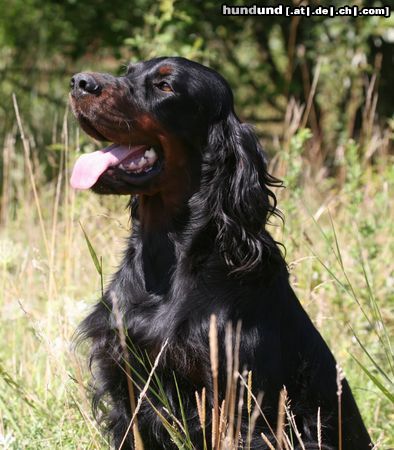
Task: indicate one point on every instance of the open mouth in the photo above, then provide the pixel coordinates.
(140, 163)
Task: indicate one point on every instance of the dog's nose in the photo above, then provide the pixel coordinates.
(84, 83)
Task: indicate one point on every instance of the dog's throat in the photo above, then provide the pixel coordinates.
(158, 261)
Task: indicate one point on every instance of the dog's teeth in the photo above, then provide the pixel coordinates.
(141, 163)
(151, 153)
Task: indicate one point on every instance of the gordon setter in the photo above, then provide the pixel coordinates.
(201, 197)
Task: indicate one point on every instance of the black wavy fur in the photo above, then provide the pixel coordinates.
(214, 256)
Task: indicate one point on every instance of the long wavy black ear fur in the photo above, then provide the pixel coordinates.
(237, 191)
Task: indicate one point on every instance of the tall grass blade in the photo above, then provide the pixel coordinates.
(375, 381)
(184, 418)
(98, 263)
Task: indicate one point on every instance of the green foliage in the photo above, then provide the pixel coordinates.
(266, 59)
(293, 158)
(354, 174)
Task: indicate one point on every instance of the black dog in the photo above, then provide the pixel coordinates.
(199, 247)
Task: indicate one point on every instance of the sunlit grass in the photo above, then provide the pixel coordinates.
(339, 237)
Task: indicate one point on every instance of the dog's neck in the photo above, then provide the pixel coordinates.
(158, 262)
(161, 209)
(158, 213)
(156, 234)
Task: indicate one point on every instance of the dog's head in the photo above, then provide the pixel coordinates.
(157, 118)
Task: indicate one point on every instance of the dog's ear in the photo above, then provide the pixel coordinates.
(236, 186)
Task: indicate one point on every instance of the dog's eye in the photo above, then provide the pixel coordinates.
(164, 86)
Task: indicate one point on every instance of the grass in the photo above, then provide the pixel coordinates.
(339, 238)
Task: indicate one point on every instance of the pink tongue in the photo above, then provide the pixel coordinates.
(90, 166)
